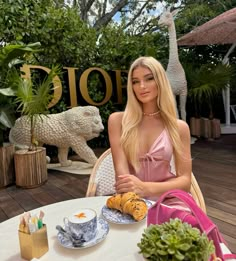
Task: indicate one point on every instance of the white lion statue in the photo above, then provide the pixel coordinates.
(68, 129)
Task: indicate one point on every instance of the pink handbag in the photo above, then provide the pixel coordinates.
(160, 213)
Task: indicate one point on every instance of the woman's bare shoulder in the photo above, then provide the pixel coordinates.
(116, 117)
(183, 127)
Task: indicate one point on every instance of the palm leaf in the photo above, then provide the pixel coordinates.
(33, 99)
(6, 119)
(207, 81)
(10, 57)
(24, 96)
(7, 92)
(11, 52)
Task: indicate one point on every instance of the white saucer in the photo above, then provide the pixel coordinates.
(102, 231)
(115, 216)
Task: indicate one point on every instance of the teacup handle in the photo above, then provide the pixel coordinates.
(66, 221)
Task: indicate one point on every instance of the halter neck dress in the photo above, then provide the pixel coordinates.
(155, 165)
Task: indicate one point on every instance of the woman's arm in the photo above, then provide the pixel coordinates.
(153, 189)
(114, 133)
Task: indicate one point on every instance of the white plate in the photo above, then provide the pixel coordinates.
(102, 231)
(115, 216)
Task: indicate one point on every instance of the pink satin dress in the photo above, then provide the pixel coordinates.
(155, 165)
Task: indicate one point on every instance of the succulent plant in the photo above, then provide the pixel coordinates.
(175, 240)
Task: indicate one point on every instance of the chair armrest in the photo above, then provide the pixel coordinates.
(92, 190)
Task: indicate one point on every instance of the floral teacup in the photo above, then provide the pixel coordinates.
(82, 225)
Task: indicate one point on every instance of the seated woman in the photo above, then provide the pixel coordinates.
(147, 134)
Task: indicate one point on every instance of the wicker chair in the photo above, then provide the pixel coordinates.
(233, 108)
(102, 180)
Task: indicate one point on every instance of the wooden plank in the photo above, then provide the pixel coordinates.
(56, 193)
(220, 205)
(58, 179)
(60, 195)
(10, 207)
(3, 216)
(230, 242)
(214, 181)
(219, 171)
(26, 201)
(36, 190)
(78, 190)
(43, 198)
(228, 231)
(220, 156)
(222, 215)
(218, 193)
(3, 196)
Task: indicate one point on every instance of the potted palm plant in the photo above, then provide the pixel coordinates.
(10, 57)
(205, 83)
(32, 99)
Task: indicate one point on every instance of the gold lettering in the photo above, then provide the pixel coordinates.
(56, 81)
(119, 85)
(72, 86)
(84, 86)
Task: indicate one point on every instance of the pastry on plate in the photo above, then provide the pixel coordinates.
(128, 203)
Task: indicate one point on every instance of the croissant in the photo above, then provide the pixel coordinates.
(115, 202)
(128, 203)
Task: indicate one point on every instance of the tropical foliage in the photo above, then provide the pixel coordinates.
(205, 83)
(11, 56)
(107, 34)
(33, 99)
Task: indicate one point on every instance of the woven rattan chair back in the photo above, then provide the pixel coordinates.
(102, 180)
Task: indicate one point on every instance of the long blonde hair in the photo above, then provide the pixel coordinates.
(133, 111)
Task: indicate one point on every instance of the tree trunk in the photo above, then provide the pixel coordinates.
(7, 173)
(31, 168)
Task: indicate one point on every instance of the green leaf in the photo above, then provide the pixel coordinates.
(162, 252)
(179, 256)
(184, 247)
(6, 119)
(7, 92)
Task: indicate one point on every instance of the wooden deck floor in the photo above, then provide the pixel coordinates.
(214, 165)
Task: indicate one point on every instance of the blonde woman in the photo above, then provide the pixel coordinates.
(147, 134)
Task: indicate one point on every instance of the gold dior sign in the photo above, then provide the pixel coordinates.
(82, 83)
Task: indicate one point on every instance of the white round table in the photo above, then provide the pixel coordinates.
(120, 243)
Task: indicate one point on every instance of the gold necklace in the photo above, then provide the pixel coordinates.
(151, 114)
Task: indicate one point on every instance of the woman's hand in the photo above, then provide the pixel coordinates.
(129, 183)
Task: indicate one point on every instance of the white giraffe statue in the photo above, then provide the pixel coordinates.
(175, 71)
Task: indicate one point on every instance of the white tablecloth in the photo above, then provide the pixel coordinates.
(120, 243)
